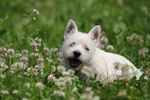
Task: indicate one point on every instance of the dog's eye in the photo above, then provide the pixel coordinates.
(86, 48)
(72, 44)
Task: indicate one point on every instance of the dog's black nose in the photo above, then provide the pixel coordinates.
(76, 54)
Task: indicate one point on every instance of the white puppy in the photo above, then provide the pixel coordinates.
(80, 53)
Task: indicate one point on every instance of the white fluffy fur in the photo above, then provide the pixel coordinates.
(107, 66)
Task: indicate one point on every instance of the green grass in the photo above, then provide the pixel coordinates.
(20, 26)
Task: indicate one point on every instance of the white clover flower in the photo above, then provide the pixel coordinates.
(27, 85)
(25, 65)
(59, 93)
(38, 41)
(120, 2)
(71, 72)
(110, 48)
(46, 50)
(40, 66)
(49, 60)
(24, 59)
(19, 76)
(142, 52)
(144, 49)
(3, 52)
(2, 76)
(3, 49)
(72, 98)
(89, 94)
(65, 73)
(3, 67)
(103, 40)
(15, 92)
(144, 9)
(10, 52)
(17, 66)
(25, 52)
(129, 38)
(146, 77)
(68, 81)
(86, 96)
(5, 92)
(53, 68)
(18, 56)
(26, 73)
(35, 54)
(60, 69)
(101, 45)
(34, 72)
(41, 72)
(2, 61)
(36, 67)
(75, 89)
(86, 71)
(60, 84)
(60, 79)
(138, 39)
(122, 93)
(54, 49)
(106, 13)
(28, 94)
(148, 72)
(29, 69)
(51, 77)
(12, 72)
(40, 85)
(59, 59)
(127, 73)
(34, 18)
(36, 11)
(40, 59)
(96, 98)
(25, 99)
(88, 89)
(34, 45)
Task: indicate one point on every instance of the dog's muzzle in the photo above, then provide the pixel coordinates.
(76, 54)
(75, 62)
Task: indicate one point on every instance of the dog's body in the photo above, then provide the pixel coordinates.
(80, 53)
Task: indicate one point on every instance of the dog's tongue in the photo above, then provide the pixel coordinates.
(74, 62)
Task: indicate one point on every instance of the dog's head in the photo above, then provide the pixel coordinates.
(79, 48)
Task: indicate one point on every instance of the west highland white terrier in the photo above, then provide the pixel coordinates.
(80, 52)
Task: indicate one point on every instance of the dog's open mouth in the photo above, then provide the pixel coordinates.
(74, 62)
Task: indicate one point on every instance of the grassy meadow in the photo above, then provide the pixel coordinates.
(31, 34)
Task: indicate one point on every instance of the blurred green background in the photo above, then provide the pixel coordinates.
(118, 19)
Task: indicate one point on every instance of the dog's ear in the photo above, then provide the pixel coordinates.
(70, 29)
(95, 33)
